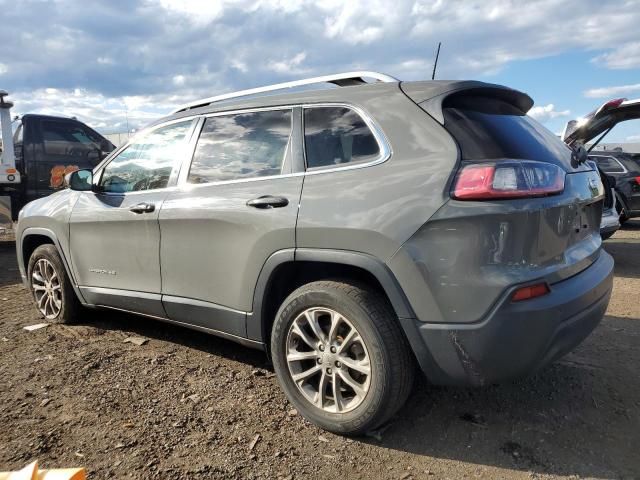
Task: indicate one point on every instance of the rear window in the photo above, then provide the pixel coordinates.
(489, 128)
(68, 138)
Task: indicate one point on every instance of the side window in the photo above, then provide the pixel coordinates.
(608, 164)
(335, 136)
(67, 138)
(244, 145)
(146, 163)
(18, 135)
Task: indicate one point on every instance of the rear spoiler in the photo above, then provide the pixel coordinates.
(431, 95)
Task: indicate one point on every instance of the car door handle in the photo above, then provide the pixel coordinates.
(143, 208)
(268, 201)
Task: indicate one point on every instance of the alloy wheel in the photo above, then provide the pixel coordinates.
(328, 360)
(47, 289)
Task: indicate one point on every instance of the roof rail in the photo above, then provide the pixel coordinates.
(340, 79)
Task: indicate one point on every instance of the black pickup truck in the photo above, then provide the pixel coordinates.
(46, 148)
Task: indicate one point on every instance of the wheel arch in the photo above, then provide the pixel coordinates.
(286, 270)
(33, 237)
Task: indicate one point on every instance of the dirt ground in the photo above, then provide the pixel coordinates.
(186, 405)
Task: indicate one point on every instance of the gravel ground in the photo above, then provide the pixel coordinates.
(185, 405)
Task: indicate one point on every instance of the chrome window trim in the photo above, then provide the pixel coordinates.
(624, 169)
(386, 152)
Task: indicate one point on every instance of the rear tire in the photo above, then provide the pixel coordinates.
(348, 337)
(51, 287)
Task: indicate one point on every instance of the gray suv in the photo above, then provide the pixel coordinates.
(351, 232)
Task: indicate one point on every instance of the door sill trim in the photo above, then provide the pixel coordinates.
(235, 338)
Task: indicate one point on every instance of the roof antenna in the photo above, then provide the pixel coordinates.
(435, 64)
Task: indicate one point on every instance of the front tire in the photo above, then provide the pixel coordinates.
(50, 286)
(341, 357)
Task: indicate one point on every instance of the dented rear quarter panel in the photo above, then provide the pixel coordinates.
(470, 252)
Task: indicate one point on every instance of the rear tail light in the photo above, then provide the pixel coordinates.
(507, 179)
(638, 180)
(611, 104)
(532, 291)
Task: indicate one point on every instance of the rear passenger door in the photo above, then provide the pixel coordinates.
(235, 205)
(340, 145)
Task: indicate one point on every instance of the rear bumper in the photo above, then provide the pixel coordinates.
(516, 339)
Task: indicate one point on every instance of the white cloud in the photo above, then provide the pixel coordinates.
(611, 92)
(179, 80)
(359, 22)
(99, 111)
(239, 65)
(543, 113)
(633, 138)
(291, 66)
(625, 57)
(199, 12)
(3, 68)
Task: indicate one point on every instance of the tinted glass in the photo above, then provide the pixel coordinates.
(244, 145)
(488, 128)
(147, 163)
(607, 164)
(68, 138)
(335, 136)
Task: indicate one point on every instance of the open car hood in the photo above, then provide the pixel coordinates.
(585, 129)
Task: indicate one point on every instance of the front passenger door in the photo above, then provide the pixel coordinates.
(114, 231)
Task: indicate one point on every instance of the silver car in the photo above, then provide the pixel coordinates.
(352, 233)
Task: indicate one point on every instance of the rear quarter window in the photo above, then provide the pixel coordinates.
(337, 136)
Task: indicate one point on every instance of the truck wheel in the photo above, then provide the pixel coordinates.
(341, 357)
(51, 288)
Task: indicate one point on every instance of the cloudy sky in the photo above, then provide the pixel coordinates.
(110, 61)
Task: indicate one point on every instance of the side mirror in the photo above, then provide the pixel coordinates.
(80, 180)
